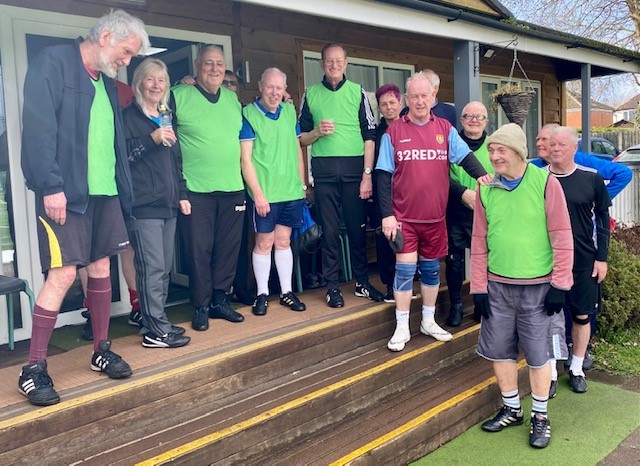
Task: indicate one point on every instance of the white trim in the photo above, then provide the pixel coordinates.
(410, 20)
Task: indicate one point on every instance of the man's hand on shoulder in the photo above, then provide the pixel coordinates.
(55, 206)
(469, 198)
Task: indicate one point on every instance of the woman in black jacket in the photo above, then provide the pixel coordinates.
(159, 191)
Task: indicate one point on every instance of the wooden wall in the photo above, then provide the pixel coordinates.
(267, 37)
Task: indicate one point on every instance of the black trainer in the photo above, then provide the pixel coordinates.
(366, 290)
(334, 298)
(506, 417)
(260, 305)
(177, 330)
(135, 318)
(34, 383)
(455, 315)
(540, 433)
(87, 330)
(553, 389)
(109, 362)
(170, 340)
(577, 383)
(388, 297)
(200, 320)
(292, 302)
(222, 310)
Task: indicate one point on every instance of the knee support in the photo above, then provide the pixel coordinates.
(429, 271)
(581, 321)
(403, 279)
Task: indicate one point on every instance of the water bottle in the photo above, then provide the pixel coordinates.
(166, 120)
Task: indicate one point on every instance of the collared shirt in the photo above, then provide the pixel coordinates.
(248, 134)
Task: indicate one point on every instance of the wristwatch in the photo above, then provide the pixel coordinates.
(367, 171)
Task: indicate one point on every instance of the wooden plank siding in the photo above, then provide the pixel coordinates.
(268, 37)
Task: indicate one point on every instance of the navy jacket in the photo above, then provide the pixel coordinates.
(58, 94)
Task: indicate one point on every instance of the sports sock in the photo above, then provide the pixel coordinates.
(539, 404)
(402, 318)
(576, 365)
(284, 265)
(43, 323)
(554, 369)
(99, 297)
(261, 270)
(428, 313)
(511, 399)
(133, 299)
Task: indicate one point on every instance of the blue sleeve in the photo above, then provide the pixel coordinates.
(298, 132)
(386, 159)
(247, 133)
(616, 174)
(458, 149)
(538, 162)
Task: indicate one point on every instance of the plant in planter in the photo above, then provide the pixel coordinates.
(515, 101)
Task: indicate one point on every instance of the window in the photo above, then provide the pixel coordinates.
(497, 117)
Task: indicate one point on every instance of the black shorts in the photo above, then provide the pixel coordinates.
(459, 236)
(84, 238)
(582, 299)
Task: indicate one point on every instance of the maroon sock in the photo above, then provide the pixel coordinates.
(43, 323)
(99, 297)
(133, 299)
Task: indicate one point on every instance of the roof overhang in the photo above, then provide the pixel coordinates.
(447, 22)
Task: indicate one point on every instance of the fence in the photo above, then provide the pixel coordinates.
(626, 205)
(620, 139)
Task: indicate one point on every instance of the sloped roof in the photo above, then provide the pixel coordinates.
(491, 7)
(630, 104)
(574, 102)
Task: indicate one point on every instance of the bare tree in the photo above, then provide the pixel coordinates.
(616, 22)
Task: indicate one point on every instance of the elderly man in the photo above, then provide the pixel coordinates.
(521, 260)
(75, 160)
(413, 185)
(336, 118)
(462, 199)
(618, 177)
(587, 199)
(208, 122)
(273, 169)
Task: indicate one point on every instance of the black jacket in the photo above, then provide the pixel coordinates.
(58, 94)
(156, 170)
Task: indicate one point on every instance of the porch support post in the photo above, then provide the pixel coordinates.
(586, 107)
(466, 71)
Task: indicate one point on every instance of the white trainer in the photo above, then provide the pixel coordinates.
(432, 329)
(400, 338)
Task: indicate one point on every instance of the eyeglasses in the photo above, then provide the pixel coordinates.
(229, 83)
(469, 117)
(332, 62)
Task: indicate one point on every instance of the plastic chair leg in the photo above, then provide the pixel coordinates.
(9, 298)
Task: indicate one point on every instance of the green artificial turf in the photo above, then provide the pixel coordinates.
(585, 428)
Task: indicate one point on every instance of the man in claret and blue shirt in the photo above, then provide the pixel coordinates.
(413, 187)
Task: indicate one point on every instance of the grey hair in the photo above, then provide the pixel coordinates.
(208, 47)
(273, 69)
(433, 77)
(474, 102)
(143, 70)
(420, 76)
(550, 126)
(569, 131)
(121, 25)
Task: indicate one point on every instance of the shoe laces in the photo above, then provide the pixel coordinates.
(109, 357)
(538, 424)
(41, 379)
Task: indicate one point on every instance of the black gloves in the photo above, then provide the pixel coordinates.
(481, 302)
(554, 301)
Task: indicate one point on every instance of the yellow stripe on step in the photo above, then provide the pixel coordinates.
(195, 445)
(425, 417)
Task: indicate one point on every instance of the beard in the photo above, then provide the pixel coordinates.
(106, 66)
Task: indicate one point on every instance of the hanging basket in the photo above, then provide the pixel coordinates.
(516, 105)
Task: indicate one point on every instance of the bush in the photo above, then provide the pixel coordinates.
(621, 288)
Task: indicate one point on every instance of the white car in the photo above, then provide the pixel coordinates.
(631, 156)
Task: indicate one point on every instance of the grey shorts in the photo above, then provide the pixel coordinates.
(518, 318)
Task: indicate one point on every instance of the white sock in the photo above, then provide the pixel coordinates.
(428, 313)
(284, 266)
(261, 270)
(554, 369)
(576, 365)
(402, 318)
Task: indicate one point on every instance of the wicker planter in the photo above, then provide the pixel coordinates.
(516, 105)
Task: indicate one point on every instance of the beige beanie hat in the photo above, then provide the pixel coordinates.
(512, 136)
